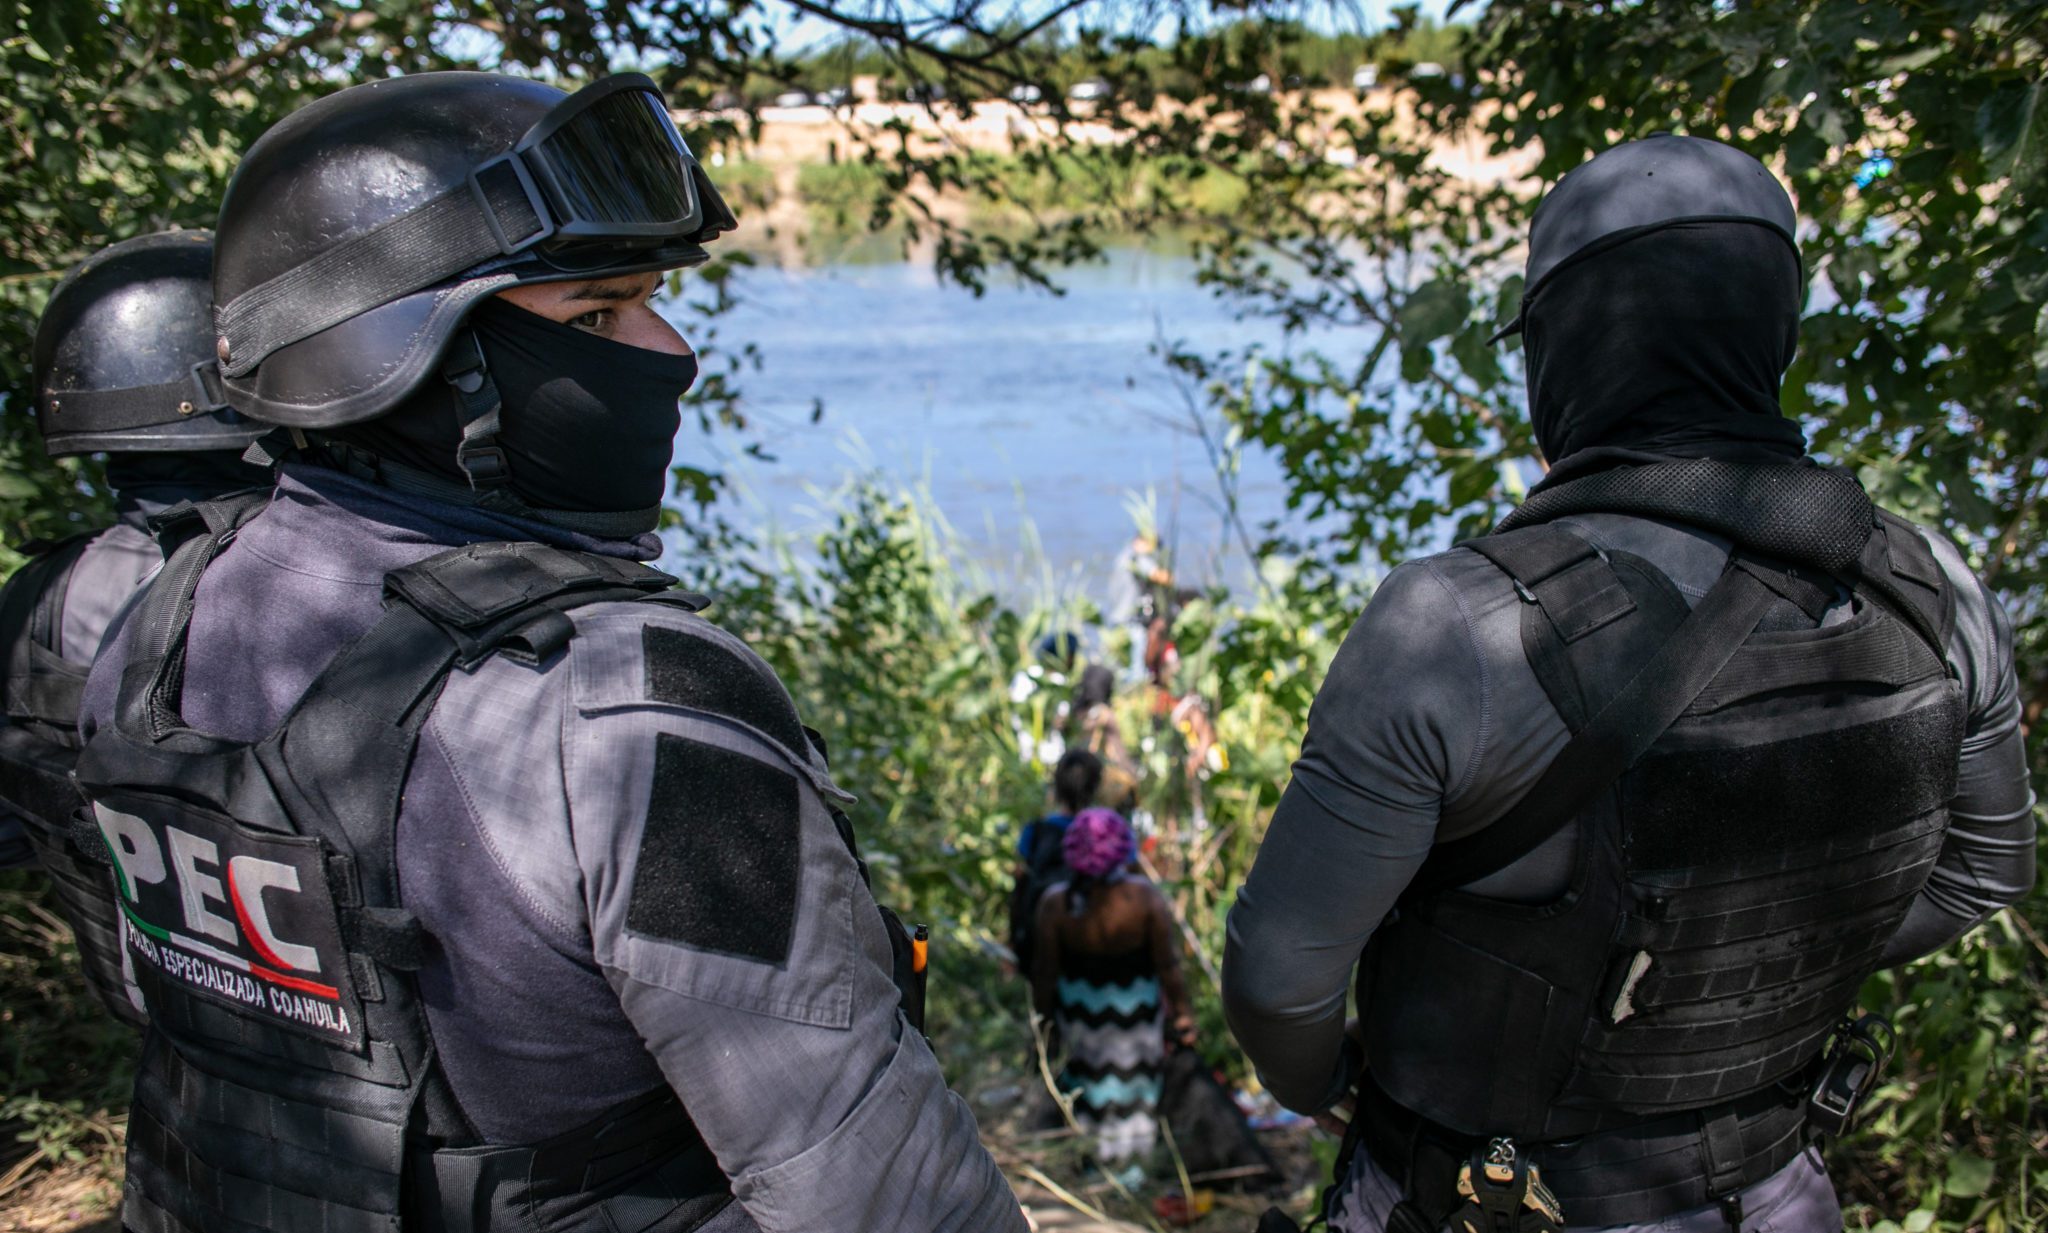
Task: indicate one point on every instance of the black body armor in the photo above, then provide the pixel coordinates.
(38, 745)
(288, 1080)
(1756, 800)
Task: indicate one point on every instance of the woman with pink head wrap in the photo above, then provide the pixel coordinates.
(1107, 973)
(1098, 842)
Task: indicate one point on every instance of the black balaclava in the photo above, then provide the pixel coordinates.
(1672, 341)
(587, 426)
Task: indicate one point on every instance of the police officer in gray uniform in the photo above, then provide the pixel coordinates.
(1616, 808)
(471, 879)
(114, 361)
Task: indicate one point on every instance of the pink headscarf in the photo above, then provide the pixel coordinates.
(1098, 841)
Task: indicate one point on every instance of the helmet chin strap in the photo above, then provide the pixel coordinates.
(478, 405)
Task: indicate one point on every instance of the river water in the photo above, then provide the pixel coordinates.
(1027, 418)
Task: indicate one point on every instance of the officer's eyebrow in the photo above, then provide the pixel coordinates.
(609, 291)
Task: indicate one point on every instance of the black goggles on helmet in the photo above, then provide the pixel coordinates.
(603, 180)
(607, 164)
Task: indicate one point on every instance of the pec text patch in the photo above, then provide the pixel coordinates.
(238, 917)
(720, 855)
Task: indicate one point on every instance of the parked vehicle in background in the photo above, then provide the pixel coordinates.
(1428, 68)
(793, 98)
(1088, 91)
(1026, 93)
(1365, 77)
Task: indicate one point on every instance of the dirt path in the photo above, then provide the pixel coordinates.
(1047, 1214)
(76, 1199)
(76, 1202)
(80, 1199)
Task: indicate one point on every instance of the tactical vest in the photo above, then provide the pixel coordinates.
(38, 745)
(288, 1080)
(1756, 800)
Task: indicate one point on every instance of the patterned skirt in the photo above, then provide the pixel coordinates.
(1112, 1022)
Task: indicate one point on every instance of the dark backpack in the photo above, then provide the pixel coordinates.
(1045, 866)
(1209, 1130)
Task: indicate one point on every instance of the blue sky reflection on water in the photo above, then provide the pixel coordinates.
(1015, 404)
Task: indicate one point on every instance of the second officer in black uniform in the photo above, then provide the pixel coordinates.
(1623, 802)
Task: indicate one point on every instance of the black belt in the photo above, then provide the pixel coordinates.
(1633, 1174)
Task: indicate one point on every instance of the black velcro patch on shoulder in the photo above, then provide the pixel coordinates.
(720, 854)
(685, 670)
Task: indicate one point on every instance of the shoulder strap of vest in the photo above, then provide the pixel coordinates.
(191, 535)
(181, 522)
(483, 595)
(1599, 753)
(54, 564)
(40, 684)
(347, 745)
(1564, 575)
(1897, 565)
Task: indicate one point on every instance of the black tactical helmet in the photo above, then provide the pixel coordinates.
(1644, 185)
(359, 231)
(124, 353)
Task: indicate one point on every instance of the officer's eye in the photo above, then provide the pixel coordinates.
(596, 321)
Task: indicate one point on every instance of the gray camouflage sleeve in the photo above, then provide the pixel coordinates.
(1988, 856)
(1392, 731)
(731, 918)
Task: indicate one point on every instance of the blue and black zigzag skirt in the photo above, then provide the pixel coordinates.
(1112, 1023)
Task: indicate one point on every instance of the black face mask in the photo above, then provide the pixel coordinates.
(182, 472)
(1673, 342)
(587, 425)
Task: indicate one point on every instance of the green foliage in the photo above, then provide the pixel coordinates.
(848, 195)
(66, 1066)
(1955, 1138)
(925, 686)
(907, 673)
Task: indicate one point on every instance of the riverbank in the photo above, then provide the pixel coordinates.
(804, 185)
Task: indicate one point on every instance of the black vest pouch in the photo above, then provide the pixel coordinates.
(642, 1168)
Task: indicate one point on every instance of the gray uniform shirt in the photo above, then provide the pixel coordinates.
(103, 579)
(1431, 725)
(519, 847)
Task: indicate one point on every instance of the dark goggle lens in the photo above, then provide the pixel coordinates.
(621, 161)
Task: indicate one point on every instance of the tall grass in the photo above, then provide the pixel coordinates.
(66, 1066)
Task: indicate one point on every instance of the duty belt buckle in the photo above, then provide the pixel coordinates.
(1504, 1193)
(1850, 1065)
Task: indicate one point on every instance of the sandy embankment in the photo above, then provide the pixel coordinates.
(791, 137)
